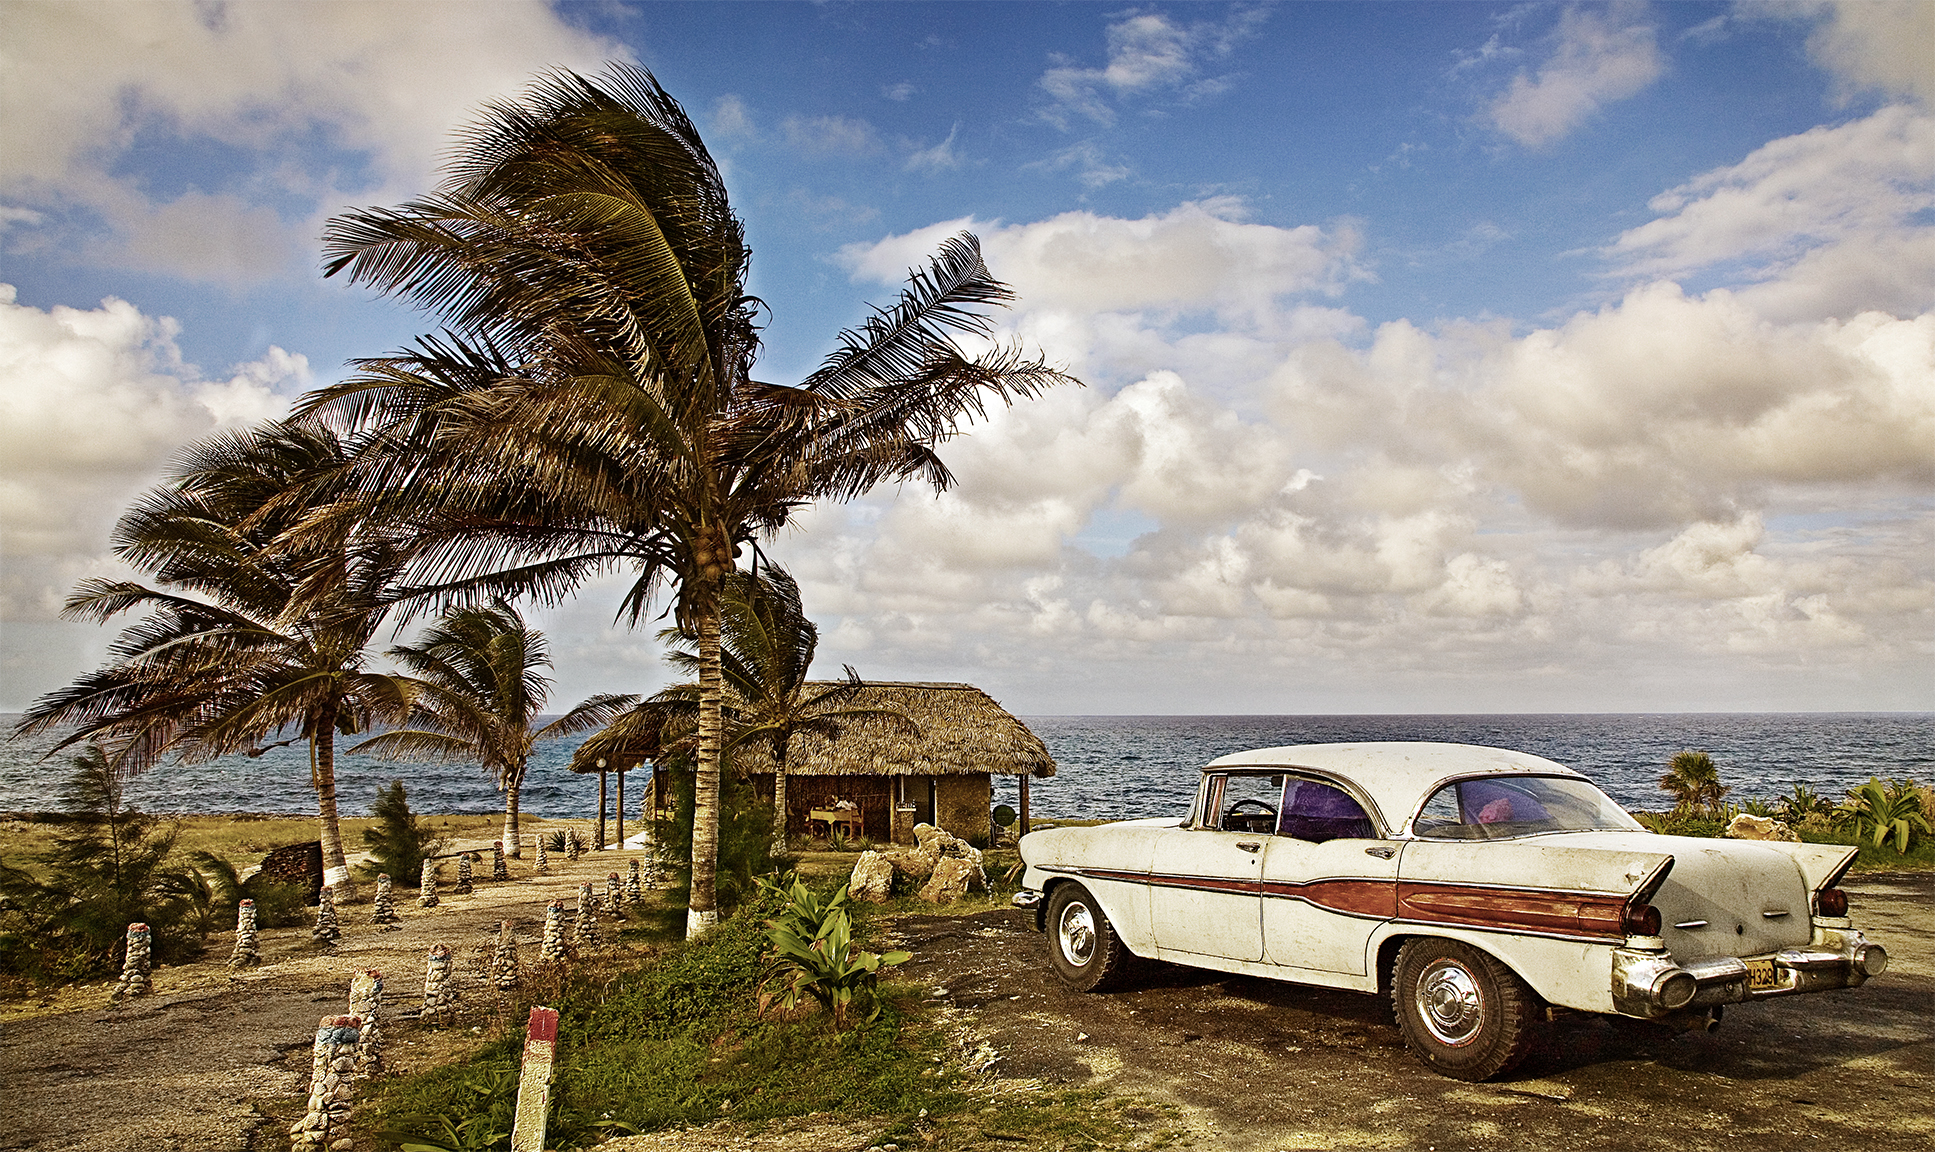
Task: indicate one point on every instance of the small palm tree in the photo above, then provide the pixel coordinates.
(476, 691)
(268, 602)
(766, 648)
(1694, 781)
(1879, 813)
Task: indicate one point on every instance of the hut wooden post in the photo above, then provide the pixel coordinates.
(1024, 803)
(618, 810)
(600, 845)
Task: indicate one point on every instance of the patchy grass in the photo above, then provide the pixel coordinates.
(678, 1040)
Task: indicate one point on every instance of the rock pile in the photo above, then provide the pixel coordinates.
(498, 869)
(366, 1004)
(332, 1078)
(245, 954)
(327, 931)
(427, 889)
(137, 978)
(944, 865)
(1749, 827)
(383, 909)
(439, 998)
(463, 887)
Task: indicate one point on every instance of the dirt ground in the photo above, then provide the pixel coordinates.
(210, 1063)
(1255, 1065)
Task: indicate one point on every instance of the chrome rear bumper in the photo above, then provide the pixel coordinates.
(1650, 984)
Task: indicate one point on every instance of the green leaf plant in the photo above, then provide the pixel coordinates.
(1879, 813)
(814, 956)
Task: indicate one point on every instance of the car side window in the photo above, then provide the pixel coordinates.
(1250, 803)
(1317, 812)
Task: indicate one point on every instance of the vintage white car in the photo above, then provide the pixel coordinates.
(1481, 888)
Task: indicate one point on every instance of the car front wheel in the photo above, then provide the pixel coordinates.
(1082, 944)
(1465, 1014)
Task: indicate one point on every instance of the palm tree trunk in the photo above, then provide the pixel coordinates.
(513, 783)
(702, 912)
(322, 764)
(779, 798)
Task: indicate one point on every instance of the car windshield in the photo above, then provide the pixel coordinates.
(1500, 807)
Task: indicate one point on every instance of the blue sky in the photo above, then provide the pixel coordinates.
(1440, 357)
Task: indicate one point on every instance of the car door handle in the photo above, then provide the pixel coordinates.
(1249, 845)
(1381, 853)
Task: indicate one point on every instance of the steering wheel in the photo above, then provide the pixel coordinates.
(1236, 809)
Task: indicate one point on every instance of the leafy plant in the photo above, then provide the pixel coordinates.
(278, 904)
(745, 837)
(473, 1114)
(814, 956)
(1879, 813)
(1803, 802)
(108, 869)
(1694, 782)
(398, 843)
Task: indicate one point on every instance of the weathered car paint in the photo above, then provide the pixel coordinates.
(1552, 906)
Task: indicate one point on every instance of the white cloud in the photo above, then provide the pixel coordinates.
(1885, 44)
(1148, 54)
(939, 158)
(831, 135)
(1598, 56)
(1090, 163)
(731, 117)
(1633, 485)
(257, 86)
(1827, 221)
(93, 405)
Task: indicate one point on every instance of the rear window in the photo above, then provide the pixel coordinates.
(1500, 807)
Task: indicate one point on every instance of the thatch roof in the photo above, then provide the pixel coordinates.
(962, 731)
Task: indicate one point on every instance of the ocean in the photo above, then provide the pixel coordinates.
(1108, 767)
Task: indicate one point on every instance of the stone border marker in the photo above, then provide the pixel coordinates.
(463, 887)
(383, 914)
(332, 1080)
(498, 869)
(247, 953)
(137, 977)
(366, 1004)
(534, 1081)
(427, 887)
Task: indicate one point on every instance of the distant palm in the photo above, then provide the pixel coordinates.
(262, 623)
(767, 646)
(594, 410)
(475, 696)
(1694, 781)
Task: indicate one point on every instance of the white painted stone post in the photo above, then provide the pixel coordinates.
(326, 931)
(366, 1004)
(586, 935)
(553, 949)
(427, 887)
(245, 954)
(534, 1081)
(504, 967)
(137, 978)
(383, 908)
(439, 999)
(332, 1079)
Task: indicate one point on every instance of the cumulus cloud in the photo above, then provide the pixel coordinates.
(1597, 56)
(1827, 222)
(939, 158)
(1884, 44)
(93, 405)
(1148, 54)
(249, 89)
(1532, 507)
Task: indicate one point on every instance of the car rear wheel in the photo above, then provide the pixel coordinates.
(1465, 1014)
(1082, 944)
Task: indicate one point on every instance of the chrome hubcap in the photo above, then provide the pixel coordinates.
(1449, 1003)
(1077, 934)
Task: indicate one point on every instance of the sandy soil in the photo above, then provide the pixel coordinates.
(211, 1063)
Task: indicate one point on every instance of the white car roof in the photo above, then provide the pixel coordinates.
(1395, 773)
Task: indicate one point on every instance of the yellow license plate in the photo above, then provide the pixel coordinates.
(1762, 974)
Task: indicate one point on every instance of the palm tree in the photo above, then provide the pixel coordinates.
(476, 692)
(766, 648)
(1694, 781)
(593, 409)
(266, 607)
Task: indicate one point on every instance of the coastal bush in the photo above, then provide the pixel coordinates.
(1693, 780)
(1881, 813)
(398, 842)
(66, 915)
(814, 956)
(278, 903)
(745, 840)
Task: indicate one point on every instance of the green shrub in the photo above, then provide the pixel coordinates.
(110, 867)
(745, 840)
(398, 843)
(1880, 813)
(814, 956)
(278, 903)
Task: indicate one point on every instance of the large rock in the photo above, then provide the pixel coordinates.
(1746, 827)
(911, 864)
(872, 881)
(949, 881)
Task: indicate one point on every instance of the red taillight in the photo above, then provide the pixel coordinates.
(1830, 902)
(1641, 920)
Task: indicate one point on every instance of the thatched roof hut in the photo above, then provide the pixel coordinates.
(961, 731)
(940, 772)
